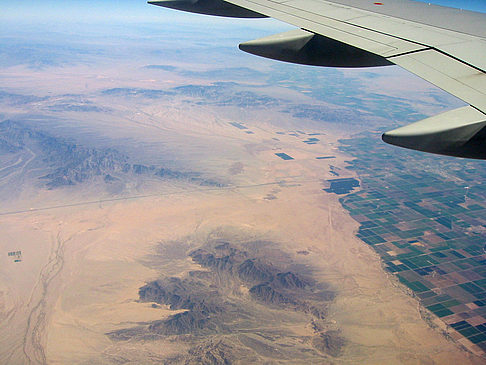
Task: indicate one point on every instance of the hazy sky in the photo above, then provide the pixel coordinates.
(132, 10)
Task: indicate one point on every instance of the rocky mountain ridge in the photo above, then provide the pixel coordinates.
(215, 305)
(69, 163)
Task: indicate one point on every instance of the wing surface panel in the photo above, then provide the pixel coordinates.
(457, 78)
(456, 20)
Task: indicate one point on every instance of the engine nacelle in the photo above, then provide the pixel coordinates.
(459, 132)
(301, 46)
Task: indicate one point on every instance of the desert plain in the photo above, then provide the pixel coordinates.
(157, 224)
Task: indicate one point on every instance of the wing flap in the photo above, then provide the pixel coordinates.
(451, 75)
(472, 52)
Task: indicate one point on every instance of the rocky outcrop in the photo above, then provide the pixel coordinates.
(330, 343)
(220, 302)
(255, 270)
(289, 280)
(190, 322)
(220, 352)
(266, 294)
(181, 294)
(209, 260)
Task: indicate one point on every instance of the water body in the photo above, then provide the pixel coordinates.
(284, 156)
(342, 186)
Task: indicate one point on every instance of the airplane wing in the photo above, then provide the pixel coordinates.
(444, 46)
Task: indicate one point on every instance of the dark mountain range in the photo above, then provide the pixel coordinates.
(18, 99)
(68, 163)
(217, 93)
(131, 92)
(215, 306)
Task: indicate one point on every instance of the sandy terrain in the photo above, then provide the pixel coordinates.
(83, 266)
(87, 249)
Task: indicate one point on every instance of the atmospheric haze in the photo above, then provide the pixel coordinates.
(141, 181)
